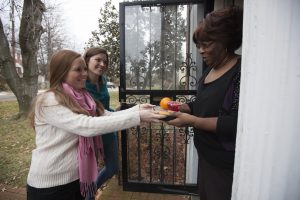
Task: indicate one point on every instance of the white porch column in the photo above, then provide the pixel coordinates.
(267, 162)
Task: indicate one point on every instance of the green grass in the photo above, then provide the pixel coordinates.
(17, 142)
(114, 99)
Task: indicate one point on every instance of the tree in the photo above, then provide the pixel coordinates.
(154, 51)
(52, 40)
(25, 88)
(108, 37)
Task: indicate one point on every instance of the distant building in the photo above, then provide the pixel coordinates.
(18, 62)
(20, 69)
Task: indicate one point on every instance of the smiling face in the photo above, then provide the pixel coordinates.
(97, 64)
(77, 74)
(212, 52)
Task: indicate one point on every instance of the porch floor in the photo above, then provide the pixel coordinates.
(115, 191)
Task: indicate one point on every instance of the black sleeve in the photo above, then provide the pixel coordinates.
(226, 126)
(227, 120)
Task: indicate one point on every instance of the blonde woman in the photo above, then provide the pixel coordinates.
(65, 119)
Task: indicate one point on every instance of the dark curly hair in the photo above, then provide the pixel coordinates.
(224, 26)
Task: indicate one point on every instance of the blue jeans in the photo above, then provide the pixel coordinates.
(110, 145)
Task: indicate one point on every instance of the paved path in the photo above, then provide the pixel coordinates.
(7, 96)
(113, 191)
(12, 193)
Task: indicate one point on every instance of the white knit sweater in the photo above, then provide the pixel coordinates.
(54, 160)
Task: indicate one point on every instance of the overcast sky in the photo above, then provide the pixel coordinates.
(81, 18)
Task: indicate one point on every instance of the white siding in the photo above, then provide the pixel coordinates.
(267, 162)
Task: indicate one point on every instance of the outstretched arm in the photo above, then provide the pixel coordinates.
(184, 119)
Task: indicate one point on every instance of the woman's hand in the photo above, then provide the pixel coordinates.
(182, 119)
(147, 106)
(185, 108)
(148, 115)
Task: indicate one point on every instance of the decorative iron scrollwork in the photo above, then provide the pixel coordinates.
(189, 67)
(137, 99)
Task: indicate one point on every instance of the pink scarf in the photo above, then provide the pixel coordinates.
(87, 155)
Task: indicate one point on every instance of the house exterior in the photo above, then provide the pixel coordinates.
(19, 66)
(267, 162)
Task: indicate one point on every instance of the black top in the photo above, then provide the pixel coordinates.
(218, 98)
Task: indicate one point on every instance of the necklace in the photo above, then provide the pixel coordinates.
(224, 63)
(217, 72)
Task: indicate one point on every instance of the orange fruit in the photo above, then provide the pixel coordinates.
(164, 102)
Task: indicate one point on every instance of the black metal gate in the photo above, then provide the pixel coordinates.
(158, 60)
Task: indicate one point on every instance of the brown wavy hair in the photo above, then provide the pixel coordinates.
(59, 66)
(224, 26)
(90, 52)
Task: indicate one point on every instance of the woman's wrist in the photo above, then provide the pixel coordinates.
(194, 121)
(184, 108)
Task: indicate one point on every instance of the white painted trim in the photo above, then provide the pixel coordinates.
(267, 161)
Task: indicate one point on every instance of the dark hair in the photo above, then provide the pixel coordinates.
(224, 26)
(92, 52)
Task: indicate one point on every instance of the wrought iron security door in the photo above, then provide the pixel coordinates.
(158, 60)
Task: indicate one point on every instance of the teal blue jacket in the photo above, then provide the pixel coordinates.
(102, 96)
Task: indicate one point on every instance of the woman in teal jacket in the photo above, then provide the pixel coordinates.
(97, 62)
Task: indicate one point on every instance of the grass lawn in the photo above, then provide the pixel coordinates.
(17, 142)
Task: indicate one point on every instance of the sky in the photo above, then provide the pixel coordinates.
(81, 18)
